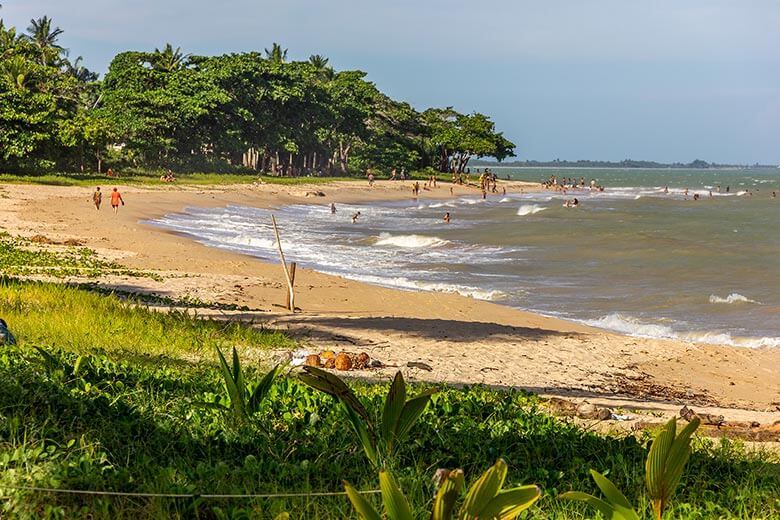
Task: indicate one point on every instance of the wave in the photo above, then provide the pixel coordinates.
(441, 205)
(410, 241)
(732, 298)
(418, 285)
(529, 209)
(634, 327)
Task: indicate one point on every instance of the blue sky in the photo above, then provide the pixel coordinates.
(664, 80)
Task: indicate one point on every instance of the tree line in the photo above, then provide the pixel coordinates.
(239, 111)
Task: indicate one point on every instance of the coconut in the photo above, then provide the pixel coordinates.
(343, 361)
(330, 362)
(362, 361)
(312, 360)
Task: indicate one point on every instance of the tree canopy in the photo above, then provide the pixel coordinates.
(253, 110)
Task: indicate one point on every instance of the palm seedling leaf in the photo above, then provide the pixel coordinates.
(509, 503)
(394, 404)
(261, 390)
(610, 491)
(396, 505)
(330, 384)
(603, 507)
(447, 495)
(361, 505)
(412, 410)
(483, 490)
(235, 392)
(364, 434)
(665, 463)
(615, 507)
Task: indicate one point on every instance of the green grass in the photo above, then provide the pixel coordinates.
(153, 179)
(22, 257)
(128, 419)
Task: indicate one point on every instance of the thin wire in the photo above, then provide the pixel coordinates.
(182, 495)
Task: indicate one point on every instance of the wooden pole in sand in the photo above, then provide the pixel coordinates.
(293, 265)
(290, 291)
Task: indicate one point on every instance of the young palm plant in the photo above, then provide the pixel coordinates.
(663, 469)
(484, 500)
(398, 415)
(243, 401)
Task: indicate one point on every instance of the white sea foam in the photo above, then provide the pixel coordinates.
(634, 327)
(731, 298)
(529, 209)
(505, 199)
(418, 285)
(409, 241)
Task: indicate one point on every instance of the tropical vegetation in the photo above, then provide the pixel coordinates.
(251, 111)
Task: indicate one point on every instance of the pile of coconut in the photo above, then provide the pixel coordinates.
(340, 361)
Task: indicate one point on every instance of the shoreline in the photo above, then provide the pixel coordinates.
(464, 340)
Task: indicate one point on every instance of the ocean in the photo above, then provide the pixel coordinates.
(631, 259)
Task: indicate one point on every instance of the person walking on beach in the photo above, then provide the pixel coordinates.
(97, 198)
(116, 200)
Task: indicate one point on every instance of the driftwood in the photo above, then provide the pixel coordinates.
(287, 275)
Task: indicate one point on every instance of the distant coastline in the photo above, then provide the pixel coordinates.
(698, 164)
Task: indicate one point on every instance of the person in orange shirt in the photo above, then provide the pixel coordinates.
(116, 199)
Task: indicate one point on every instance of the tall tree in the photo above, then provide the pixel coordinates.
(276, 54)
(44, 37)
(169, 59)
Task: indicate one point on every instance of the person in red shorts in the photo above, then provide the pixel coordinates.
(116, 200)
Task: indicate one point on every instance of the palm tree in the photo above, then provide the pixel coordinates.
(320, 63)
(44, 37)
(80, 72)
(169, 59)
(276, 54)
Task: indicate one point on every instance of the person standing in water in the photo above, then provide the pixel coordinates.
(355, 217)
(97, 198)
(447, 217)
(116, 199)
(332, 208)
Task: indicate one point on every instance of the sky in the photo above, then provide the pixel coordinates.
(663, 80)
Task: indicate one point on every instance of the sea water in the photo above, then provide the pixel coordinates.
(632, 258)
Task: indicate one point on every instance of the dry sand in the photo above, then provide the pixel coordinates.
(463, 340)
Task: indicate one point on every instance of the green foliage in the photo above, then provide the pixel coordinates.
(378, 440)
(244, 400)
(106, 404)
(663, 469)
(665, 463)
(20, 257)
(484, 500)
(168, 109)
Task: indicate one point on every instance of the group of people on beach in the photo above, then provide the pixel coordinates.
(168, 176)
(568, 183)
(116, 199)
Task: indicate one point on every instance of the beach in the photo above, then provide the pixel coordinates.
(463, 340)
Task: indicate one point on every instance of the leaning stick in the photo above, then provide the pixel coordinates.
(290, 292)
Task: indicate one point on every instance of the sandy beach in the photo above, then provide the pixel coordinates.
(462, 340)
